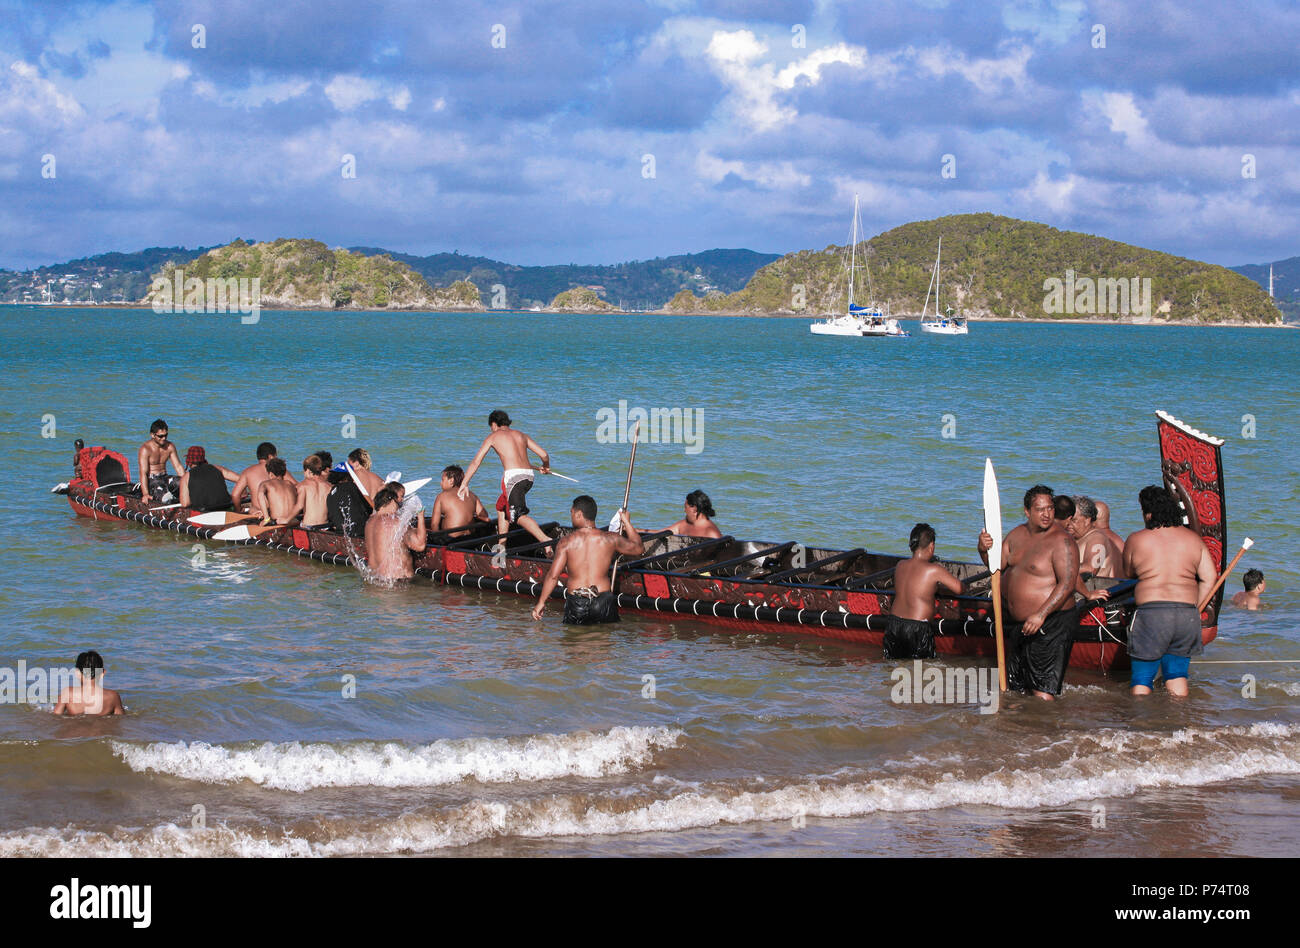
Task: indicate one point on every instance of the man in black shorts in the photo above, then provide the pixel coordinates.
(586, 554)
(908, 632)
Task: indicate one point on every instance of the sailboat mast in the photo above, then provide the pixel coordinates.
(938, 255)
(853, 251)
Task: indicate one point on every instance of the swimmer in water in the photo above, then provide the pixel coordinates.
(90, 697)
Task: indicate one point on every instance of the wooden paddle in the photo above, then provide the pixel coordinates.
(245, 532)
(627, 492)
(993, 527)
(221, 518)
(1246, 544)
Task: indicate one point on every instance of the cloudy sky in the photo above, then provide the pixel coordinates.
(539, 132)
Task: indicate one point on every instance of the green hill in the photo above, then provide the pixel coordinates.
(637, 284)
(998, 267)
(306, 273)
(580, 299)
(1286, 283)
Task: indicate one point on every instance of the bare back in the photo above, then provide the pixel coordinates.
(1099, 555)
(915, 583)
(1172, 564)
(452, 513)
(91, 701)
(312, 492)
(278, 499)
(512, 447)
(702, 527)
(387, 551)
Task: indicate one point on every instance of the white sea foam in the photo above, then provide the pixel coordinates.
(299, 767)
(1105, 764)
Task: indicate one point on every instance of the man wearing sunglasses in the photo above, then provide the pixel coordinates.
(152, 460)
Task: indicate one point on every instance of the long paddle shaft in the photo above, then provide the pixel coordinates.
(627, 490)
(997, 630)
(1246, 544)
(993, 527)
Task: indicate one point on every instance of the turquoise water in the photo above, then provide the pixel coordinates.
(475, 730)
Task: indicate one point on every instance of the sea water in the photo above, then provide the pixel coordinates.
(284, 707)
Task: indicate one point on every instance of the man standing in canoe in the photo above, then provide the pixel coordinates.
(1040, 564)
(152, 460)
(586, 554)
(512, 448)
(908, 633)
(390, 539)
(1174, 572)
(698, 521)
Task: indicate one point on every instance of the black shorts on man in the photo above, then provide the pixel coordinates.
(1037, 662)
(588, 607)
(908, 638)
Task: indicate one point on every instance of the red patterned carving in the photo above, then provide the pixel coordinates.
(656, 585)
(1216, 552)
(300, 539)
(1208, 507)
(864, 604)
(453, 561)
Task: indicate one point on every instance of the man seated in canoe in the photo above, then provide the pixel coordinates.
(586, 555)
(277, 494)
(908, 633)
(1253, 587)
(155, 483)
(1098, 555)
(1040, 567)
(390, 539)
(449, 511)
(90, 697)
(250, 477)
(512, 448)
(370, 482)
(1174, 571)
(1103, 524)
(203, 486)
(312, 491)
(698, 521)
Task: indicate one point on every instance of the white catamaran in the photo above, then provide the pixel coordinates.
(948, 324)
(857, 320)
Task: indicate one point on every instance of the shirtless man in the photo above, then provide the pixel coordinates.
(371, 483)
(251, 476)
(91, 697)
(908, 633)
(1254, 587)
(277, 494)
(152, 461)
(449, 511)
(390, 539)
(698, 521)
(1098, 554)
(1103, 524)
(1063, 507)
(512, 448)
(1174, 572)
(312, 491)
(586, 554)
(1040, 566)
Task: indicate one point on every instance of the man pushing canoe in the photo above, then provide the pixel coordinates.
(586, 555)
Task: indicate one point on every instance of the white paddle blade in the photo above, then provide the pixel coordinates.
(234, 533)
(413, 486)
(616, 522)
(1247, 543)
(993, 515)
(214, 518)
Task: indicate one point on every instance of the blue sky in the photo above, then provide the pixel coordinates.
(520, 131)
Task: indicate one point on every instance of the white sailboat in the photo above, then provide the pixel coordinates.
(948, 324)
(857, 320)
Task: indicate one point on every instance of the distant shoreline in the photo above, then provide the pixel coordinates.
(660, 312)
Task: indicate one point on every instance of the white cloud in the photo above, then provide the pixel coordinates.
(754, 84)
(1057, 196)
(772, 175)
(989, 76)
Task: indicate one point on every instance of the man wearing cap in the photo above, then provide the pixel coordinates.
(203, 485)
